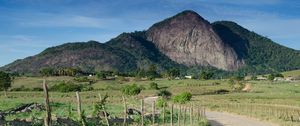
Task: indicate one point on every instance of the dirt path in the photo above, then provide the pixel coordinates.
(226, 119)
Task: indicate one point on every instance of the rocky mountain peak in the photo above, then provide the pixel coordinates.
(189, 39)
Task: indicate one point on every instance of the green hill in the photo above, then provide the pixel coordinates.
(261, 54)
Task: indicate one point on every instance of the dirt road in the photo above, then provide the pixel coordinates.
(226, 119)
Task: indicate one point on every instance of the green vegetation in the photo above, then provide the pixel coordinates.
(261, 54)
(182, 98)
(132, 90)
(267, 97)
(70, 87)
(294, 73)
(172, 73)
(164, 94)
(59, 71)
(153, 86)
(5, 81)
(161, 102)
(206, 75)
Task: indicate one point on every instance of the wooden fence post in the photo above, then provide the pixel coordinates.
(153, 113)
(198, 114)
(184, 116)
(47, 120)
(142, 111)
(164, 109)
(125, 110)
(179, 114)
(104, 111)
(191, 116)
(171, 115)
(79, 108)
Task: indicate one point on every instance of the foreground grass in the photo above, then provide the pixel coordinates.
(271, 101)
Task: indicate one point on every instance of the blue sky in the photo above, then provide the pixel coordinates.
(27, 27)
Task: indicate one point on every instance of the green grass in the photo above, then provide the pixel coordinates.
(280, 97)
(293, 73)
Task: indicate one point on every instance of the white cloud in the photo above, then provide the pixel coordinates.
(62, 21)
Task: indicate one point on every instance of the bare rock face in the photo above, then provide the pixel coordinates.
(188, 39)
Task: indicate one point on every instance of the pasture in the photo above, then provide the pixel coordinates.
(277, 102)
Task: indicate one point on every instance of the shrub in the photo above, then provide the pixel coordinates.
(87, 88)
(182, 98)
(203, 122)
(132, 90)
(101, 75)
(161, 102)
(5, 81)
(164, 93)
(68, 87)
(153, 86)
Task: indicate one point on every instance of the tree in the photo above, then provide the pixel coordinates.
(172, 73)
(47, 71)
(206, 75)
(101, 75)
(140, 73)
(5, 81)
(271, 77)
(152, 73)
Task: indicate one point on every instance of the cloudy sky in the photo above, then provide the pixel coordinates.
(27, 27)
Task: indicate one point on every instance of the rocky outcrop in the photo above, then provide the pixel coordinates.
(189, 39)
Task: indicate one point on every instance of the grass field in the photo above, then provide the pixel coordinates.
(278, 102)
(293, 73)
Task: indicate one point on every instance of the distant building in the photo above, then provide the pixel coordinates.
(188, 77)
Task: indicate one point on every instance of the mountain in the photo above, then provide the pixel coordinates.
(87, 56)
(126, 53)
(186, 41)
(189, 39)
(261, 54)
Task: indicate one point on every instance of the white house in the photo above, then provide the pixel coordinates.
(188, 77)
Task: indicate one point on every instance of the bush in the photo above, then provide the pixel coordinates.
(182, 98)
(203, 122)
(161, 102)
(69, 87)
(132, 90)
(101, 75)
(164, 93)
(153, 86)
